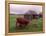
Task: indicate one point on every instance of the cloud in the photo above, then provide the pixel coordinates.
(21, 9)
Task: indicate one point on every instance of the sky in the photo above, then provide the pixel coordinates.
(29, 0)
(22, 9)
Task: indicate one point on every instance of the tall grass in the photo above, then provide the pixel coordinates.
(35, 26)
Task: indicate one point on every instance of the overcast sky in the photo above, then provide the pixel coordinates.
(21, 9)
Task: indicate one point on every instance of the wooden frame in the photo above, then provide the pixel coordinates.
(21, 2)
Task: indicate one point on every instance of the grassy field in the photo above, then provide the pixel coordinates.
(35, 26)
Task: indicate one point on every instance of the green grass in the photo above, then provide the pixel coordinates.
(12, 23)
(35, 26)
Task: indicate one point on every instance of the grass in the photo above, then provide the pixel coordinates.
(35, 26)
(12, 23)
